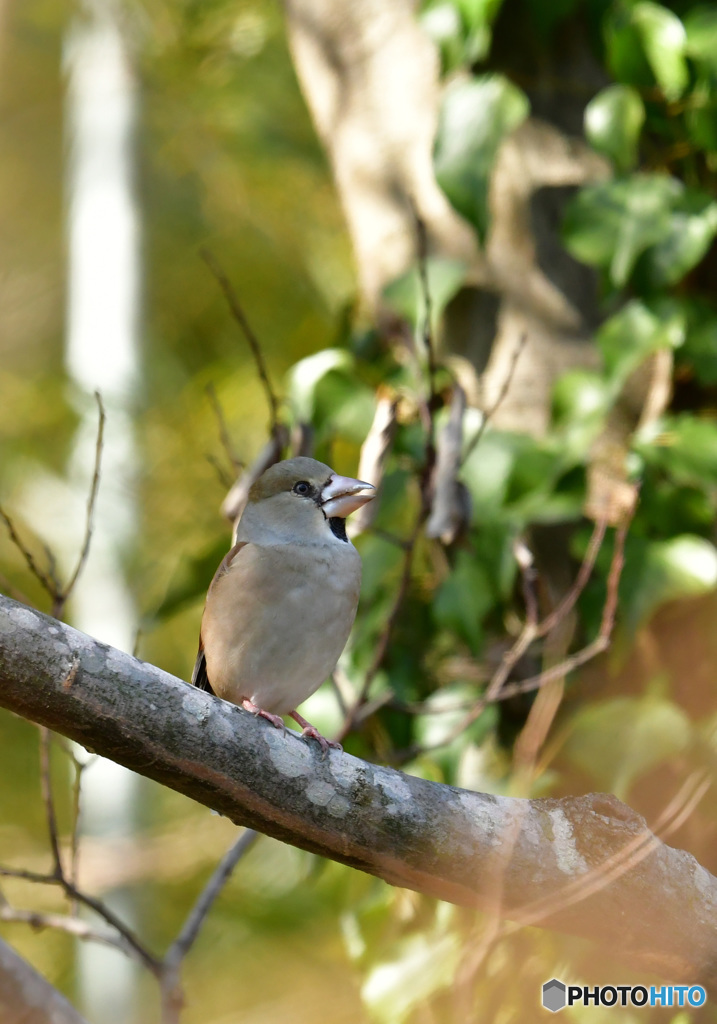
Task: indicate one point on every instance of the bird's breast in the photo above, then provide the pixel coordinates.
(284, 616)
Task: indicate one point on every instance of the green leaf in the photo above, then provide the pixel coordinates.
(626, 58)
(701, 116)
(613, 122)
(579, 395)
(610, 224)
(664, 40)
(405, 294)
(693, 225)
(461, 29)
(444, 24)
(701, 32)
(447, 709)
(701, 349)
(422, 964)
(487, 470)
(463, 600)
(685, 448)
(474, 118)
(633, 334)
(661, 571)
(618, 741)
(305, 375)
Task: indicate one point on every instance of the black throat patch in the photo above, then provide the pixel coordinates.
(338, 527)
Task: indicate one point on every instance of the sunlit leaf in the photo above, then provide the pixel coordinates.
(661, 571)
(487, 470)
(581, 400)
(306, 374)
(475, 116)
(618, 741)
(701, 32)
(685, 448)
(613, 122)
(692, 228)
(611, 223)
(405, 294)
(444, 24)
(664, 39)
(422, 965)
(448, 708)
(629, 337)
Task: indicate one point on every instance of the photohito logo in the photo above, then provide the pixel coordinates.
(557, 995)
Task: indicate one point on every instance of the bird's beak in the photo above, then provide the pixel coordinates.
(342, 495)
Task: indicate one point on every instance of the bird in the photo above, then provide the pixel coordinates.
(281, 605)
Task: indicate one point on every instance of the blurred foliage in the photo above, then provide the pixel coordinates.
(229, 159)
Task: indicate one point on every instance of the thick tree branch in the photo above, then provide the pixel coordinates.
(26, 996)
(586, 865)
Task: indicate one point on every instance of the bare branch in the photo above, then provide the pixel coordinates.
(49, 802)
(490, 413)
(384, 639)
(91, 503)
(184, 941)
(236, 499)
(49, 580)
(224, 437)
(661, 908)
(74, 926)
(100, 908)
(238, 314)
(42, 577)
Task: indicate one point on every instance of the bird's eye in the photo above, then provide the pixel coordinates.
(302, 487)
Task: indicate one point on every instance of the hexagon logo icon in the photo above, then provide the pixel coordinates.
(553, 995)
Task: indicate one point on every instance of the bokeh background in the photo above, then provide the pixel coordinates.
(576, 152)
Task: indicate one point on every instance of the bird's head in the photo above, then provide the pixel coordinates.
(301, 500)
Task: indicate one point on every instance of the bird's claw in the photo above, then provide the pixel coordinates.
(311, 732)
(276, 720)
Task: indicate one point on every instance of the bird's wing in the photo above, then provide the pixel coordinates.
(199, 675)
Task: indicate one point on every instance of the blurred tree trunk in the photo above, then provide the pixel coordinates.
(370, 76)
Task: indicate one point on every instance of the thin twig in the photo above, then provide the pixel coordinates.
(91, 501)
(49, 801)
(224, 437)
(61, 922)
(564, 607)
(32, 565)
(490, 413)
(385, 637)
(531, 631)
(172, 998)
(238, 314)
(184, 941)
(100, 908)
(49, 580)
(428, 406)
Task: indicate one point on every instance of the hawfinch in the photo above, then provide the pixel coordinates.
(281, 605)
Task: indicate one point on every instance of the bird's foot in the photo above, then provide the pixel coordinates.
(276, 720)
(311, 732)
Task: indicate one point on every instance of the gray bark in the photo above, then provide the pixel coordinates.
(585, 865)
(26, 997)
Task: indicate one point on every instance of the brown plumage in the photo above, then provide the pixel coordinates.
(282, 602)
